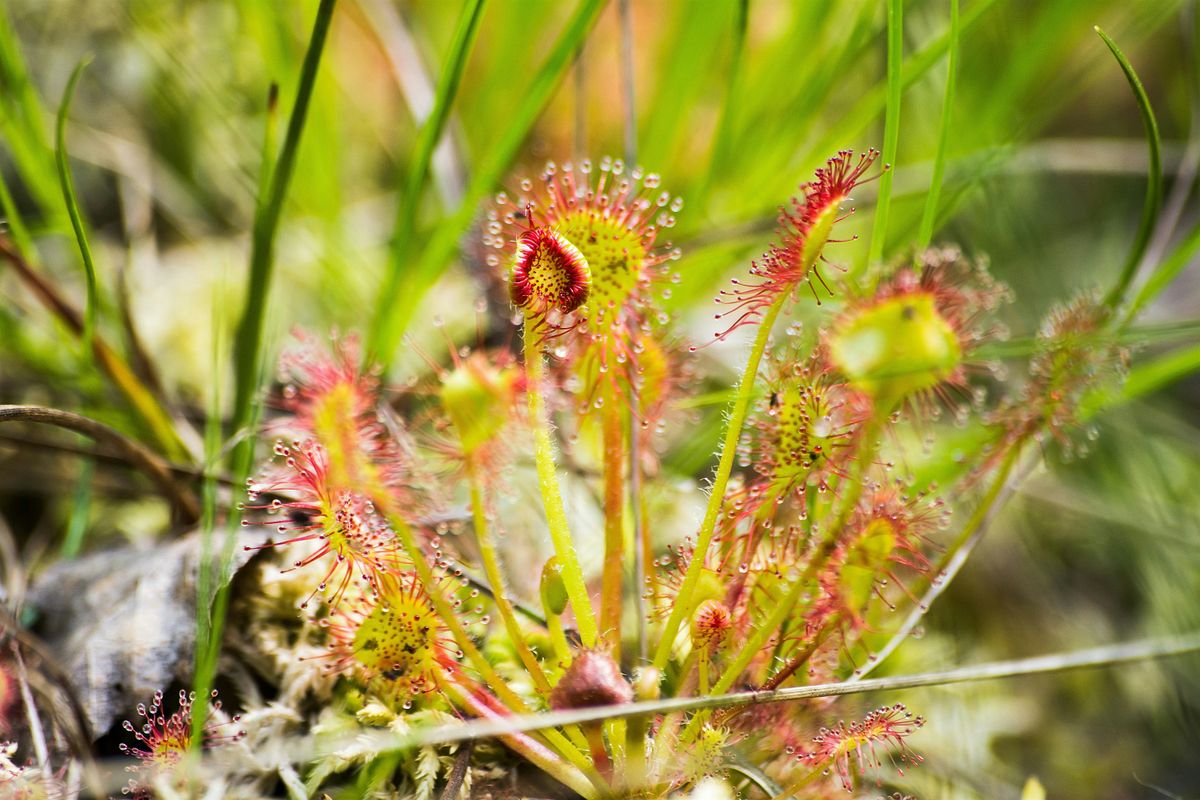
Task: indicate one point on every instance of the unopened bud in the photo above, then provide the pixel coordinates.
(593, 679)
(554, 590)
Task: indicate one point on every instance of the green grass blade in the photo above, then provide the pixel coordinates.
(68, 191)
(1153, 375)
(415, 282)
(427, 141)
(21, 122)
(11, 219)
(929, 215)
(1146, 378)
(1166, 272)
(720, 147)
(1154, 183)
(249, 337)
(891, 125)
(80, 510)
(875, 100)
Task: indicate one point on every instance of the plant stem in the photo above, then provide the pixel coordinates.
(1102, 656)
(558, 638)
(643, 542)
(446, 613)
(556, 516)
(612, 418)
(491, 567)
(527, 747)
(444, 610)
(733, 432)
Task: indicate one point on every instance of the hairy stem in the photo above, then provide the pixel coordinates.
(556, 516)
(733, 432)
(491, 567)
(614, 521)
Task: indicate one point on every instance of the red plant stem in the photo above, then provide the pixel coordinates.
(801, 658)
(595, 738)
(480, 704)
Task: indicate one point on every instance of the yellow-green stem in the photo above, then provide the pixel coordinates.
(612, 418)
(491, 568)
(635, 756)
(737, 418)
(556, 517)
(558, 636)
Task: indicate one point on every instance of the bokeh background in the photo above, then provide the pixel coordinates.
(734, 104)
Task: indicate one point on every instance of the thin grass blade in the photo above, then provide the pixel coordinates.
(929, 215)
(1154, 180)
(427, 141)
(248, 341)
(416, 281)
(891, 125)
(68, 190)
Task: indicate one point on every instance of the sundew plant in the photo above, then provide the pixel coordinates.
(497, 399)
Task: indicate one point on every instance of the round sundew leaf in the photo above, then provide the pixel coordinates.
(476, 398)
(897, 347)
(864, 561)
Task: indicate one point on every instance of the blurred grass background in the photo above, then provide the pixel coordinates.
(736, 102)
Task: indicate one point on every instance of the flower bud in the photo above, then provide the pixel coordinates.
(554, 590)
(593, 679)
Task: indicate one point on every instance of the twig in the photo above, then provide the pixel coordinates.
(79, 731)
(36, 732)
(182, 499)
(454, 783)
